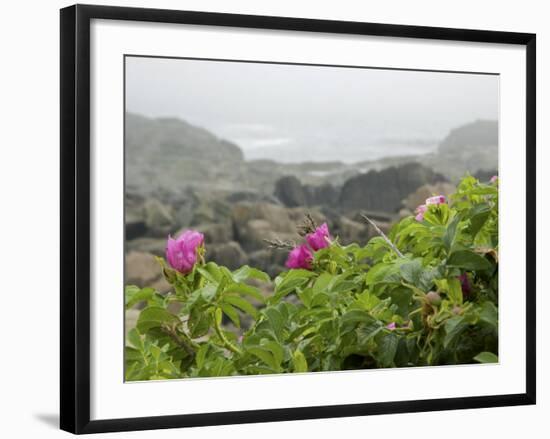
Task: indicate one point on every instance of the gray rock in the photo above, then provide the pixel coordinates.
(134, 215)
(144, 271)
(349, 231)
(290, 191)
(251, 197)
(210, 209)
(155, 246)
(215, 233)
(323, 195)
(158, 217)
(384, 190)
(229, 254)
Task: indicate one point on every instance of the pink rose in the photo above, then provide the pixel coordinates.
(391, 326)
(493, 179)
(320, 238)
(181, 252)
(300, 257)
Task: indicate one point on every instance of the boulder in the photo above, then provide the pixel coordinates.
(323, 195)
(158, 217)
(385, 189)
(251, 197)
(290, 191)
(272, 261)
(229, 254)
(155, 246)
(134, 216)
(349, 231)
(144, 271)
(216, 232)
(210, 209)
(298, 214)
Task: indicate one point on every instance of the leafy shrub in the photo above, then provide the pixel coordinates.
(425, 295)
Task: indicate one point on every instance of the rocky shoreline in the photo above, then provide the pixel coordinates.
(179, 177)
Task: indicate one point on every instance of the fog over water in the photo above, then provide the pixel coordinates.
(298, 113)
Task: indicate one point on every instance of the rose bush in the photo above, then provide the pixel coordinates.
(427, 294)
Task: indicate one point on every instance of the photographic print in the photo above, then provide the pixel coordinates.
(284, 218)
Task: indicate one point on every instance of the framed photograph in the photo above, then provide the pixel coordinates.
(275, 218)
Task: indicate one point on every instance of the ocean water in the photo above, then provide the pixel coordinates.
(325, 144)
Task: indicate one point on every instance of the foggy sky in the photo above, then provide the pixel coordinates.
(240, 101)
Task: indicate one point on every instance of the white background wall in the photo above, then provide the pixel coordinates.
(29, 206)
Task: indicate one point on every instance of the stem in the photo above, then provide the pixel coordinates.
(230, 346)
(383, 235)
(179, 341)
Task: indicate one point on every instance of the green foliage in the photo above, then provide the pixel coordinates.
(359, 307)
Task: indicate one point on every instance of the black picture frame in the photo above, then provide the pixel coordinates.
(75, 217)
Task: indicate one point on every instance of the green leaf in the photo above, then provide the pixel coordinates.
(232, 313)
(242, 304)
(245, 290)
(211, 271)
(265, 355)
(486, 357)
(367, 332)
(468, 260)
(453, 327)
(343, 287)
(135, 339)
(489, 314)
(275, 321)
(276, 349)
(292, 280)
(199, 322)
(454, 290)
(134, 295)
(201, 355)
(320, 299)
(368, 300)
(299, 361)
(353, 318)
(305, 296)
(131, 354)
(450, 233)
(321, 283)
(246, 272)
(477, 221)
(387, 347)
(153, 317)
(207, 293)
(411, 272)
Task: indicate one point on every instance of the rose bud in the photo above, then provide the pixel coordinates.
(433, 298)
(182, 252)
(457, 310)
(391, 326)
(420, 210)
(438, 199)
(320, 238)
(300, 257)
(465, 284)
(494, 179)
